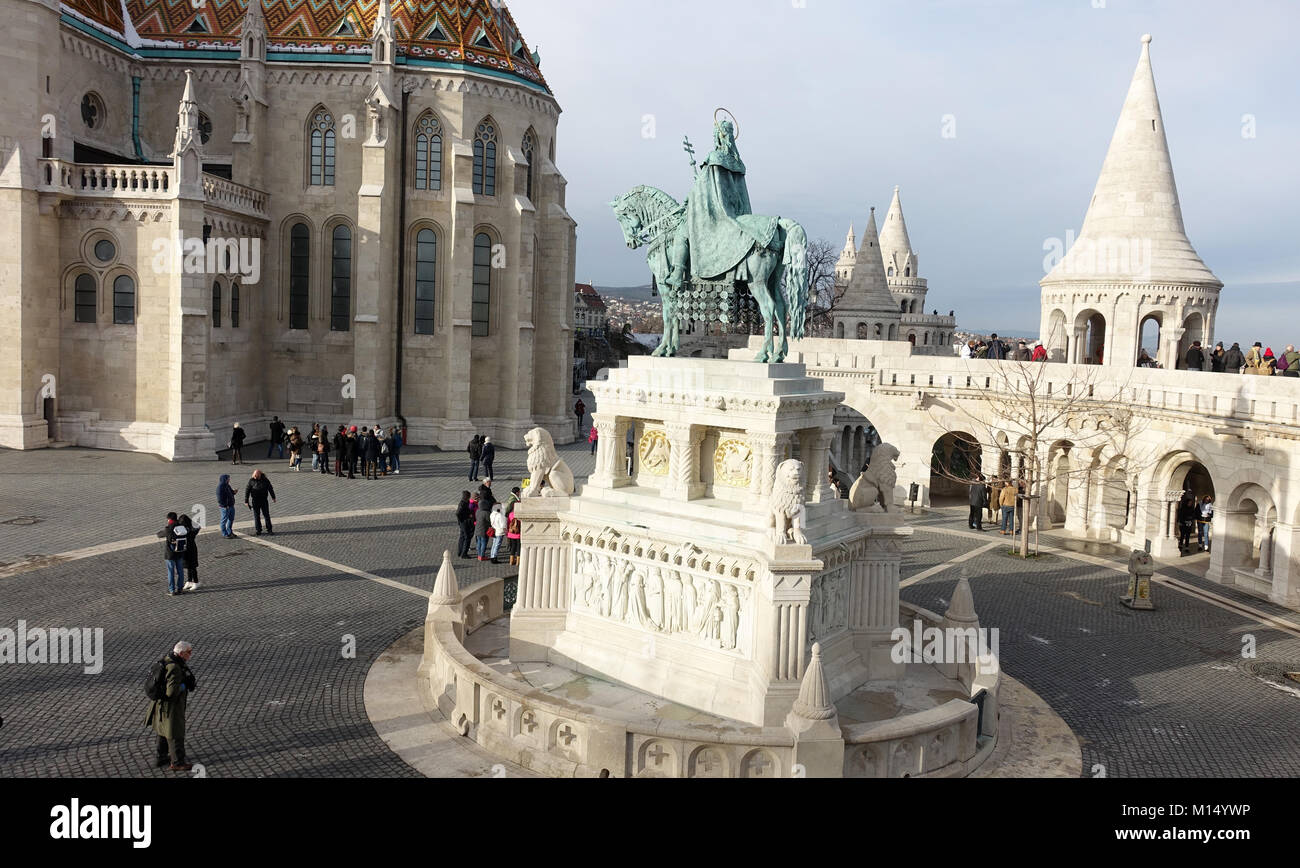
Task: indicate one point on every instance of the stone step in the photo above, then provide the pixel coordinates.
(60, 444)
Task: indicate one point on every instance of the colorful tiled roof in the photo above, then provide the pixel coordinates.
(472, 32)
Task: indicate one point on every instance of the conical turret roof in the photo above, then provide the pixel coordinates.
(1134, 228)
(868, 290)
(894, 243)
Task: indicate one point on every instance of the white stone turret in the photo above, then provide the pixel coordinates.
(187, 151)
(1132, 261)
(252, 34)
(902, 266)
(867, 311)
(383, 37)
(848, 258)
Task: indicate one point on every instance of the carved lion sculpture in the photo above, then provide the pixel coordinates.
(786, 515)
(876, 484)
(549, 476)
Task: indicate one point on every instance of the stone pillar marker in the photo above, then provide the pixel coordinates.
(1140, 569)
(819, 744)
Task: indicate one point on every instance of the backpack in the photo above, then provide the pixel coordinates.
(156, 686)
(383, 448)
(1282, 362)
(178, 540)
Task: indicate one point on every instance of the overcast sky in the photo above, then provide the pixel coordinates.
(840, 100)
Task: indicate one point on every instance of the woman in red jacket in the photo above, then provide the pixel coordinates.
(592, 438)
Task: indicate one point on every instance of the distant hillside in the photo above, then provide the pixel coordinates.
(629, 293)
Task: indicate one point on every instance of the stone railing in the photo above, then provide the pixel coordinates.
(229, 196)
(106, 181)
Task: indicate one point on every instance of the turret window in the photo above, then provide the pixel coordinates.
(485, 159)
(528, 147)
(428, 153)
(322, 149)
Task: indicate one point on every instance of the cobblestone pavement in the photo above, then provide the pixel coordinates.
(1148, 694)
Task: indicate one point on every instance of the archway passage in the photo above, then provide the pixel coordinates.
(1249, 542)
(1057, 488)
(1058, 338)
(853, 447)
(1193, 332)
(954, 464)
(1149, 340)
(1090, 337)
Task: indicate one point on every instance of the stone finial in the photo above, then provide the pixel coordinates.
(446, 590)
(814, 702)
(1146, 38)
(962, 608)
(187, 123)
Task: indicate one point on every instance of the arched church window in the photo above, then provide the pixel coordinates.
(299, 269)
(428, 153)
(322, 148)
(84, 298)
(902, 306)
(485, 159)
(426, 271)
(234, 305)
(341, 280)
(482, 293)
(528, 147)
(124, 300)
(216, 304)
(907, 272)
(891, 271)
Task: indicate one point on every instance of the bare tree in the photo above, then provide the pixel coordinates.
(1034, 405)
(823, 292)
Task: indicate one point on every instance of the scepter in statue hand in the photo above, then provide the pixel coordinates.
(690, 150)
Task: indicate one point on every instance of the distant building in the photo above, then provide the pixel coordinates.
(589, 312)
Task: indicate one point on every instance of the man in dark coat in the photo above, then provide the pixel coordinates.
(167, 715)
(1234, 360)
(372, 456)
(237, 445)
(997, 349)
(1216, 359)
(352, 447)
(277, 437)
(1196, 357)
(465, 517)
(226, 500)
(488, 453)
(256, 494)
(191, 554)
(340, 450)
(175, 539)
(978, 500)
(475, 450)
(482, 521)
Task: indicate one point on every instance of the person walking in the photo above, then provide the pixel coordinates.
(395, 449)
(277, 437)
(580, 409)
(1233, 360)
(1007, 500)
(499, 524)
(1186, 517)
(323, 450)
(488, 453)
(191, 554)
(372, 455)
(1288, 364)
(175, 683)
(978, 500)
(475, 451)
(465, 522)
(482, 524)
(1195, 358)
(1204, 523)
(593, 438)
(175, 540)
(226, 501)
(256, 494)
(514, 528)
(237, 445)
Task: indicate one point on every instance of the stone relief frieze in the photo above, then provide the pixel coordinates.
(733, 464)
(655, 452)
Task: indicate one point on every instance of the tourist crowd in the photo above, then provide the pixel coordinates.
(373, 452)
(1259, 360)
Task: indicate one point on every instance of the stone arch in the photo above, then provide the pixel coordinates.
(893, 331)
(760, 763)
(1149, 339)
(870, 762)
(565, 737)
(1089, 340)
(656, 758)
(1056, 493)
(1249, 515)
(839, 330)
(905, 760)
(708, 761)
(1193, 330)
(1057, 340)
(955, 462)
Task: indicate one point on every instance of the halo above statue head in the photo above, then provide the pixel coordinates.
(735, 125)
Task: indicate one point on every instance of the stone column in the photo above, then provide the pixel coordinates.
(818, 448)
(990, 461)
(611, 466)
(782, 639)
(1286, 572)
(1233, 543)
(542, 606)
(764, 446)
(684, 461)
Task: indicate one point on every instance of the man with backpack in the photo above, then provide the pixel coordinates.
(168, 688)
(176, 541)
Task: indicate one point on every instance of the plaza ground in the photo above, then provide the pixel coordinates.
(1166, 693)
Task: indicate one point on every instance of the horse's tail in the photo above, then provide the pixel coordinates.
(795, 265)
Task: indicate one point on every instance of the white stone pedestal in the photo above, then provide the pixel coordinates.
(669, 580)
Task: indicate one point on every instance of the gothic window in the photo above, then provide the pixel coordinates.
(341, 280)
(528, 147)
(428, 153)
(124, 300)
(322, 148)
(234, 305)
(216, 304)
(891, 271)
(902, 306)
(92, 111)
(299, 266)
(205, 128)
(84, 298)
(482, 297)
(907, 272)
(485, 159)
(426, 272)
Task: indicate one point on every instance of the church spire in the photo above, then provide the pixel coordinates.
(1135, 204)
(381, 40)
(868, 290)
(252, 35)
